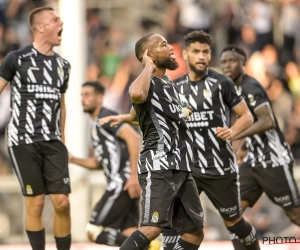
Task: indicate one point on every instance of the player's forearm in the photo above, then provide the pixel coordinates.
(258, 127)
(242, 124)
(128, 119)
(138, 90)
(90, 163)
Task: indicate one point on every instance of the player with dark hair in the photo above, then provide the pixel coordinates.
(116, 151)
(169, 193)
(265, 158)
(212, 97)
(39, 79)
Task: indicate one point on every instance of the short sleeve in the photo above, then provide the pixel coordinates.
(7, 68)
(229, 93)
(115, 130)
(66, 82)
(254, 94)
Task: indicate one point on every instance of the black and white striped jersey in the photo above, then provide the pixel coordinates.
(268, 149)
(212, 99)
(110, 151)
(167, 142)
(37, 83)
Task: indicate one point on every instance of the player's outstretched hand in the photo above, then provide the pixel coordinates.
(133, 187)
(113, 119)
(70, 156)
(224, 133)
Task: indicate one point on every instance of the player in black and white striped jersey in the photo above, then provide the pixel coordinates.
(265, 158)
(213, 98)
(39, 79)
(169, 193)
(116, 214)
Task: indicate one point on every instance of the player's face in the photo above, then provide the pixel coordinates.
(89, 99)
(197, 56)
(53, 27)
(162, 53)
(231, 64)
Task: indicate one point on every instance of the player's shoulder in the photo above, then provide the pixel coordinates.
(182, 80)
(106, 112)
(22, 52)
(250, 82)
(63, 60)
(213, 74)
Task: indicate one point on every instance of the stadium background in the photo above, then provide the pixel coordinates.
(98, 40)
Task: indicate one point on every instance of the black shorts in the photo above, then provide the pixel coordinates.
(223, 191)
(278, 183)
(41, 167)
(170, 199)
(116, 210)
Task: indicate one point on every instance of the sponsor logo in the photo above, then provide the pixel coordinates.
(66, 180)
(154, 218)
(283, 200)
(202, 116)
(228, 210)
(181, 82)
(29, 189)
(44, 92)
(28, 54)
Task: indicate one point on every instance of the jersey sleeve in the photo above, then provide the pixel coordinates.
(66, 82)
(7, 68)
(254, 94)
(229, 93)
(111, 130)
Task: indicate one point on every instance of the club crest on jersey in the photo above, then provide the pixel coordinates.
(251, 99)
(206, 93)
(154, 218)
(60, 72)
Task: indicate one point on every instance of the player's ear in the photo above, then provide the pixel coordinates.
(151, 55)
(184, 54)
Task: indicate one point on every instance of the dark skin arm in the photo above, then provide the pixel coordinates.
(115, 120)
(138, 90)
(265, 122)
(245, 121)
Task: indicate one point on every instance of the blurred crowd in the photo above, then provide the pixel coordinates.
(268, 30)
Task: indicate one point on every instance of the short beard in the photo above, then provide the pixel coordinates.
(89, 111)
(197, 71)
(166, 62)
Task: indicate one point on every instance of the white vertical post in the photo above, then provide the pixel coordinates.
(73, 49)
